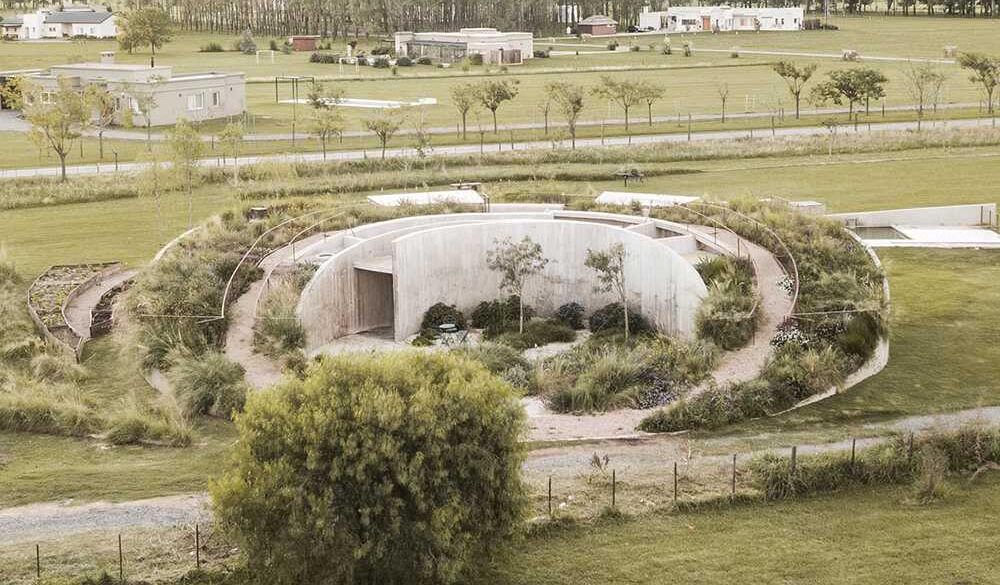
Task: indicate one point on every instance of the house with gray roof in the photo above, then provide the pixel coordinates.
(56, 23)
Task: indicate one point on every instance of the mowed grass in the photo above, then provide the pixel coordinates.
(868, 536)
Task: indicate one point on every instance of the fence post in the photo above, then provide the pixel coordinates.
(689, 127)
(197, 547)
(794, 456)
(734, 477)
(614, 487)
(121, 560)
(38, 562)
(675, 483)
(854, 444)
(550, 496)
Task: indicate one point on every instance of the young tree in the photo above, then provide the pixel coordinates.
(493, 93)
(516, 262)
(546, 106)
(465, 98)
(384, 127)
(58, 118)
(568, 100)
(150, 184)
(851, 85)
(650, 93)
(145, 27)
(186, 147)
(622, 92)
(105, 107)
(610, 267)
(985, 71)
(421, 135)
(364, 472)
(231, 138)
(796, 78)
(923, 82)
(322, 96)
(326, 124)
(143, 102)
(723, 90)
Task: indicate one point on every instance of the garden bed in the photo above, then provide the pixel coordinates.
(49, 293)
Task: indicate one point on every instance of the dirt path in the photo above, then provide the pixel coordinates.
(736, 366)
(79, 310)
(568, 465)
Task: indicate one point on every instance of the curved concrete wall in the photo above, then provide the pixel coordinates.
(448, 264)
(442, 258)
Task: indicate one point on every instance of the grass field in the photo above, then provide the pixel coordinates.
(692, 83)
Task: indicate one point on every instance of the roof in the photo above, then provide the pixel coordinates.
(74, 17)
(645, 199)
(12, 21)
(598, 19)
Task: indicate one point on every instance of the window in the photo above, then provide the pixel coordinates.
(46, 97)
(216, 99)
(196, 101)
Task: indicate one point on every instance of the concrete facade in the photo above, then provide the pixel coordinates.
(722, 19)
(195, 97)
(495, 46)
(951, 215)
(389, 273)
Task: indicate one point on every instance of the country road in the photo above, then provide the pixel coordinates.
(38, 522)
(466, 149)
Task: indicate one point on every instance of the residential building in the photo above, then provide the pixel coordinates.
(597, 25)
(192, 96)
(57, 23)
(722, 19)
(495, 46)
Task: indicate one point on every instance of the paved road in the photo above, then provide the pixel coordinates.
(467, 149)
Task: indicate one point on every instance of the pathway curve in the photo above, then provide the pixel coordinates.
(735, 366)
(473, 149)
(38, 522)
(79, 310)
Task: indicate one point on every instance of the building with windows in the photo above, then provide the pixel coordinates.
(67, 21)
(722, 19)
(495, 46)
(597, 25)
(192, 96)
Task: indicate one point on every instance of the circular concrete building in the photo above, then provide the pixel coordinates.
(387, 274)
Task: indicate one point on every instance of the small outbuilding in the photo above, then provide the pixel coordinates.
(303, 42)
(498, 47)
(597, 25)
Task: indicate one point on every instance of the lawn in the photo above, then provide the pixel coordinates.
(882, 540)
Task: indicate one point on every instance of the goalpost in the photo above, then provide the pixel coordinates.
(266, 53)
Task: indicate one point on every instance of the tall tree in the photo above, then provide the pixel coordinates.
(492, 93)
(851, 85)
(610, 267)
(623, 92)
(568, 100)
(985, 71)
(923, 82)
(326, 124)
(384, 127)
(58, 118)
(142, 101)
(464, 97)
(796, 77)
(147, 26)
(516, 262)
(186, 147)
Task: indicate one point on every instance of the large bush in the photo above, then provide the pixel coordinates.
(611, 318)
(497, 316)
(209, 384)
(536, 334)
(440, 314)
(571, 315)
(392, 469)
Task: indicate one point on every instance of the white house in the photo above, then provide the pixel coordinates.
(722, 19)
(495, 46)
(69, 21)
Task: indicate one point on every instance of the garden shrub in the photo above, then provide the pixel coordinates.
(540, 54)
(212, 47)
(728, 316)
(571, 315)
(536, 334)
(404, 62)
(424, 61)
(380, 63)
(132, 427)
(439, 314)
(26, 406)
(295, 515)
(209, 384)
(715, 407)
(613, 380)
(278, 331)
(475, 59)
(496, 357)
(326, 58)
(497, 316)
(382, 51)
(612, 318)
